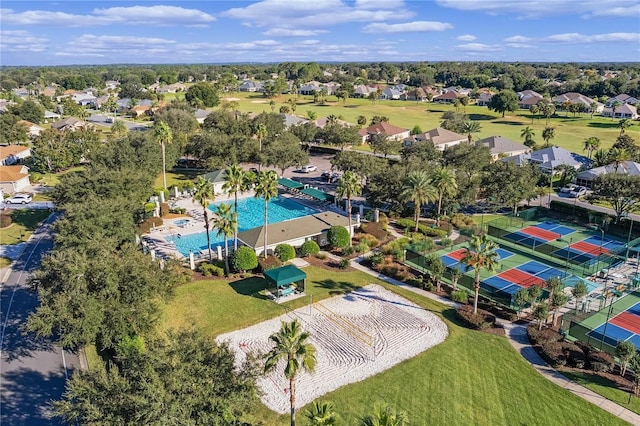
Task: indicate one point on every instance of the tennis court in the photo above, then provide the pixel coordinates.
(522, 276)
(618, 322)
(453, 259)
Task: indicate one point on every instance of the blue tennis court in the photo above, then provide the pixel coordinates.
(573, 255)
(496, 282)
(503, 254)
(524, 239)
(614, 334)
(606, 243)
(451, 260)
(554, 227)
(540, 270)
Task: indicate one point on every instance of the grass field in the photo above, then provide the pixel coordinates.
(25, 221)
(570, 132)
(176, 178)
(471, 378)
(605, 387)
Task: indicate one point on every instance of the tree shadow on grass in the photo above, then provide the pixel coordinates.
(29, 218)
(509, 123)
(337, 288)
(612, 125)
(253, 287)
(481, 117)
(451, 316)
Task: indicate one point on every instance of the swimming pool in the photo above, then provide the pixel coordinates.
(250, 215)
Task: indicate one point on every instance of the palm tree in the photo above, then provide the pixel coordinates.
(547, 134)
(481, 254)
(534, 110)
(349, 185)
(444, 181)
(418, 188)
(162, 133)
(266, 188)
(322, 414)
(527, 133)
(385, 416)
(568, 173)
(614, 106)
(469, 127)
(225, 223)
(625, 123)
(591, 144)
(234, 181)
(291, 345)
(203, 195)
(601, 157)
(261, 133)
(617, 156)
(119, 128)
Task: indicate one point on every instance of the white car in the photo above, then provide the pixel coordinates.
(568, 188)
(19, 199)
(578, 192)
(308, 168)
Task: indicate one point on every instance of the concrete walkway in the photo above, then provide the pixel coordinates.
(517, 336)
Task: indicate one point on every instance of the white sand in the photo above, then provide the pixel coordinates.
(399, 328)
(230, 99)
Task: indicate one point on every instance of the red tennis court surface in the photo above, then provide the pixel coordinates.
(523, 279)
(540, 233)
(458, 254)
(628, 321)
(588, 248)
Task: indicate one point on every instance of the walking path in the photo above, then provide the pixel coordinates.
(517, 336)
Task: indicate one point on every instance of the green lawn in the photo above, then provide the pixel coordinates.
(471, 378)
(605, 387)
(52, 179)
(570, 132)
(176, 178)
(24, 223)
(4, 262)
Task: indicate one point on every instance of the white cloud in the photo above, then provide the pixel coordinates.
(117, 46)
(582, 38)
(316, 13)
(520, 45)
(309, 42)
(286, 32)
(477, 47)
(518, 39)
(379, 4)
(147, 15)
(21, 41)
(537, 8)
(466, 37)
(416, 26)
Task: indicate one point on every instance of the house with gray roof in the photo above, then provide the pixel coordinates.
(622, 99)
(251, 86)
(292, 120)
(502, 147)
(201, 115)
(622, 111)
(549, 159)
(587, 177)
(216, 178)
(440, 137)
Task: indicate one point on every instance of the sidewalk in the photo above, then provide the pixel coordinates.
(517, 336)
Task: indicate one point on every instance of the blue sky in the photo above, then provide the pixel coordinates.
(87, 32)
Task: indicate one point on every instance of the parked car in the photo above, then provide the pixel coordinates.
(19, 199)
(568, 188)
(308, 168)
(578, 192)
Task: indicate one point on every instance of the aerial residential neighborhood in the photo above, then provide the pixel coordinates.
(320, 213)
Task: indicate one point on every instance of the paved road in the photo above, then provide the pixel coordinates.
(101, 119)
(32, 371)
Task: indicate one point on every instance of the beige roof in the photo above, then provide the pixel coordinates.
(382, 127)
(441, 135)
(12, 173)
(500, 145)
(7, 150)
(307, 226)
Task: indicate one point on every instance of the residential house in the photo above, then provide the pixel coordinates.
(363, 91)
(528, 98)
(171, 88)
(447, 97)
(140, 110)
(49, 91)
(50, 115)
(587, 177)
(14, 178)
(440, 137)
(622, 99)
(501, 147)
(314, 86)
(111, 84)
(13, 154)
(251, 86)
(292, 120)
(484, 99)
(5, 104)
(549, 159)
(419, 94)
(101, 100)
(32, 128)
(21, 92)
(322, 122)
(201, 115)
(83, 99)
(392, 132)
(622, 111)
(580, 99)
(390, 93)
(70, 123)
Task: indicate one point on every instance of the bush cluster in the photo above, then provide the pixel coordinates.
(285, 252)
(410, 225)
(149, 224)
(600, 361)
(375, 229)
(392, 269)
(396, 247)
(460, 296)
(269, 263)
(209, 269)
(460, 220)
(244, 259)
(368, 239)
(308, 247)
(338, 236)
(344, 263)
(321, 256)
(5, 220)
(178, 210)
(361, 247)
(544, 336)
(480, 321)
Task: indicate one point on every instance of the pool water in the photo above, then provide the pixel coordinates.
(250, 215)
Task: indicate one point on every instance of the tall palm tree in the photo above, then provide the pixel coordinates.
(291, 344)
(261, 133)
(469, 127)
(444, 181)
(625, 123)
(322, 414)
(234, 181)
(527, 133)
(349, 185)
(203, 195)
(418, 188)
(547, 134)
(385, 416)
(591, 144)
(480, 254)
(225, 223)
(617, 156)
(266, 188)
(534, 110)
(601, 157)
(163, 134)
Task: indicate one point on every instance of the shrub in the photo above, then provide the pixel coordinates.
(321, 256)
(460, 220)
(338, 236)
(406, 224)
(468, 232)
(149, 223)
(600, 361)
(149, 207)
(285, 252)
(396, 247)
(309, 247)
(208, 269)
(164, 209)
(368, 239)
(434, 232)
(362, 247)
(244, 259)
(348, 251)
(460, 296)
(445, 242)
(416, 282)
(269, 263)
(376, 258)
(575, 355)
(553, 353)
(375, 229)
(5, 220)
(544, 336)
(344, 263)
(480, 321)
(428, 285)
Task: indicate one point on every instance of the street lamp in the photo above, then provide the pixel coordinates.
(626, 217)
